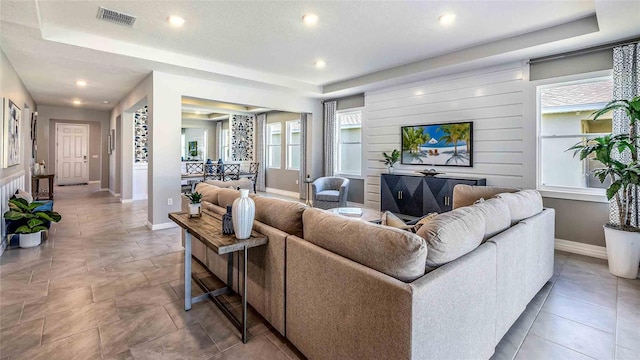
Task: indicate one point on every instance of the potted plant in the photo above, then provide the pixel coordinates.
(194, 206)
(622, 234)
(28, 221)
(391, 159)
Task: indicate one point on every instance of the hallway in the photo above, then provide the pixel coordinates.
(103, 286)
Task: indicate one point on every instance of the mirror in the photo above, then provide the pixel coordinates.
(194, 144)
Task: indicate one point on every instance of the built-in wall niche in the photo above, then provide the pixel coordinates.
(194, 144)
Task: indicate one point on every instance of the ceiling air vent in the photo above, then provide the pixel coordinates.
(115, 17)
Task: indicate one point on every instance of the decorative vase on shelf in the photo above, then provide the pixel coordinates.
(227, 222)
(391, 169)
(243, 213)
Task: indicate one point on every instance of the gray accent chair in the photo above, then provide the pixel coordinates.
(329, 192)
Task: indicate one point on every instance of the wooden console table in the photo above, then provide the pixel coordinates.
(35, 187)
(208, 229)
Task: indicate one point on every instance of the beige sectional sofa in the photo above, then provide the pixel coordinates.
(342, 288)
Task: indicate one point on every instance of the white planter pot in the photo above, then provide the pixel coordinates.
(391, 170)
(30, 240)
(623, 252)
(242, 214)
(194, 209)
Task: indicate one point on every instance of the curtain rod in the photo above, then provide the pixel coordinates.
(583, 51)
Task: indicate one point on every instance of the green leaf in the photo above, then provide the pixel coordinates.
(15, 215)
(613, 189)
(35, 222)
(38, 228)
(49, 215)
(24, 229)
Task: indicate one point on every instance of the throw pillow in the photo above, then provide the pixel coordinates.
(21, 194)
(425, 219)
(389, 219)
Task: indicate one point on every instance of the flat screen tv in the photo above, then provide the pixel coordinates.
(448, 144)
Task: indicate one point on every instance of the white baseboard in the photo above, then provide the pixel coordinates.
(104, 189)
(574, 247)
(126, 201)
(114, 194)
(94, 182)
(284, 193)
(167, 225)
(140, 197)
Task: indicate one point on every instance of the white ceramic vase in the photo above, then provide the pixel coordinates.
(242, 213)
(30, 240)
(391, 170)
(623, 252)
(194, 209)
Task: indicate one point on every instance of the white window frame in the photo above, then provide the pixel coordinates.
(289, 145)
(351, 175)
(561, 192)
(270, 145)
(225, 154)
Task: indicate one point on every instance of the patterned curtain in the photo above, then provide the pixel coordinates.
(303, 156)
(219, 139)
(626, 85)
(261, 143)
(330, 138)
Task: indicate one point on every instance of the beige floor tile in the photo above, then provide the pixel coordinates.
(113, 288)
(109, 259)
(121, 335)
(12, 292)
(575, 336)
(190, 343)
(144, 298)
(178, 287)
(626, 354)
(83, 346)
(165, 274)
(56, 302)
(258, 348)
(628, 334)
(599, 317)
(584, 293)
(221, 331)
(537, 348)
(182, 318)
(10, 314)
(284, 345)
(71, 322)
(20, 337)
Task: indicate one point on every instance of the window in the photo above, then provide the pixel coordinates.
(565, 119)
(274, 138)
(349, 142)
(224, 146)
(293, 145)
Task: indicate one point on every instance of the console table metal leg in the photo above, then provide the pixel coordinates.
(230, 273)
(244, 296)
(187, 270)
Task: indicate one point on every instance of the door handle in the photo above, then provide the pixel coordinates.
(84, 157)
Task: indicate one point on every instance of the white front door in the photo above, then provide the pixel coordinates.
(72, 147)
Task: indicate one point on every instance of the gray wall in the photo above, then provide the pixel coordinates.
(356, 191)
(282, 179)
(98, 122)
(579, 221)
(579, 64)
(11, 87)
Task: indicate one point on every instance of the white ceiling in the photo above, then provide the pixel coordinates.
(265, 43)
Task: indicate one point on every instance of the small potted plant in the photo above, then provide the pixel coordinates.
(391, 159)
(194, 206)
(622, 233)
(28, 221)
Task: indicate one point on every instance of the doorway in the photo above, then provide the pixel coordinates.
(72, 147)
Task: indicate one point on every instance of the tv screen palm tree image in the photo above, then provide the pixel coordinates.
(438, 144)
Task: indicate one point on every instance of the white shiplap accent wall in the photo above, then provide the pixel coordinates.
(493, 98)
(8, 187)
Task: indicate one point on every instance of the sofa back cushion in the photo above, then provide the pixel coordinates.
(397, 253)
(452, 234)
(227, 196)
(209, 192)
(240, 183)
(465, 195)
(523, 204)
(497, 216)
(281, 214)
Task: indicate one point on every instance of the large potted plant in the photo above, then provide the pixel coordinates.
(622, 234)
(391, 159)
(29, 221)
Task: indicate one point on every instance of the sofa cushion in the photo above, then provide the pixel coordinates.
(280, 214)
(397, 253)
(227, 196)
(209, 192)
(241, 183)
(328, 195)
(465, 195)
(523, 204)
(452, 234)
(497, 217)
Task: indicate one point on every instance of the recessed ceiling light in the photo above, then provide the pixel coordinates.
(320, 64)
(197, 112)
(77, 102)
(310, 19)
(175, 21)
(81, 83)
(105, 102)
(447, 19)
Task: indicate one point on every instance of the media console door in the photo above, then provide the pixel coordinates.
(419, 195)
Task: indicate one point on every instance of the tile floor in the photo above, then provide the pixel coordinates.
(105, 287)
